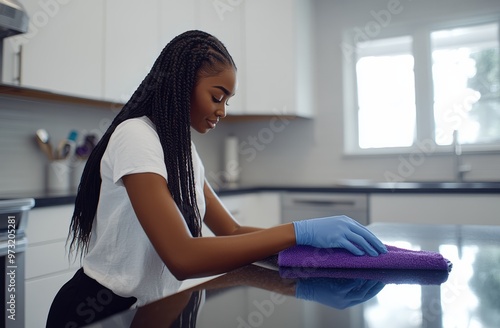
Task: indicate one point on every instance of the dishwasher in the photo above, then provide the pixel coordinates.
(307, 205)
(13, 243)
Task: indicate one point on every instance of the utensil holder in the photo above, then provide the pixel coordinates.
(58, 176)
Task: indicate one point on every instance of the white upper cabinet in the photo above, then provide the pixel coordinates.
(131, 45)
(176, 17)
(278, 51)
(270, 42)
(135, 35)
(225, 20)
(62, 50)
(104, 49)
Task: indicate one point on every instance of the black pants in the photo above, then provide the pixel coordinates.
(82, 301)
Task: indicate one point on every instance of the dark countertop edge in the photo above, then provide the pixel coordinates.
(375, 189)
(54, 201)
(43, 199)
(46, 199)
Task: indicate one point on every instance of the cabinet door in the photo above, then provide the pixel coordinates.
(40, 293)
(264, 209)
(225, 20)
(234, 204)
(63, 49)
(176, 18)
(131, 45)
(255, 209)
(48, 224)
(47, 263)
(277, 57)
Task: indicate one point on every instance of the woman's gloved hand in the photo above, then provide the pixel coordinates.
(337, 293)
(338, 232)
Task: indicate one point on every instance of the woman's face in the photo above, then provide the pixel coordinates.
(209, 99)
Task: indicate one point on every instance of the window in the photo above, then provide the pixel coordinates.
(458, 90)
(386, 89)
(466, 84)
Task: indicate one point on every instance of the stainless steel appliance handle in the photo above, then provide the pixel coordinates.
(324, 202)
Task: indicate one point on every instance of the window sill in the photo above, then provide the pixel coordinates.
(428, 150)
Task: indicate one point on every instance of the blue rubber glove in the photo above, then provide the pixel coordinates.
(338, 232)
(337, 293)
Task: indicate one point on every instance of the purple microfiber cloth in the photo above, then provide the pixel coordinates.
(339, 258)
(386, 276)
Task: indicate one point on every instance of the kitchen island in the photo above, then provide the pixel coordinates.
(259, 295)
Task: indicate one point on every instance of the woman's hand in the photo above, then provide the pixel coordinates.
(337, 293)
(338, 232)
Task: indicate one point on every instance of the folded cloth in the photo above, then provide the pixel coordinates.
(386, 276)
(395, 258)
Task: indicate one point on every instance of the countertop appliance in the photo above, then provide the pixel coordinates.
(13, 242)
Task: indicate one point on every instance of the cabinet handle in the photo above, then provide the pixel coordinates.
(19, 65)
(324, 202)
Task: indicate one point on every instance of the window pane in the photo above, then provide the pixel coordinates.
(386, 95)
(466, 80)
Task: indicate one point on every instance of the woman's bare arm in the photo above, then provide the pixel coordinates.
(188, 257)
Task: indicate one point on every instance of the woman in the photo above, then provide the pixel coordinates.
(143, 196)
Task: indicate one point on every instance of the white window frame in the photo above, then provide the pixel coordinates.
(422, 53)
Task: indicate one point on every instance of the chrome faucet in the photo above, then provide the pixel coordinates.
(460, 168)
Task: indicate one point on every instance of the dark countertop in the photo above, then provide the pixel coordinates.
(43, 199)
(425, 187)
(257, 296)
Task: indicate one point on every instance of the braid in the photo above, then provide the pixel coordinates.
(164, 96)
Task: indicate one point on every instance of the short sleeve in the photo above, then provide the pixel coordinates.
(134, 147)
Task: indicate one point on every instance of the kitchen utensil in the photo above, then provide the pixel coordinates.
(84, 150)
(65, 149)
(43, 140)
(73, 135)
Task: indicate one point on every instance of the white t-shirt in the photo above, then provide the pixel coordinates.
(120, 256)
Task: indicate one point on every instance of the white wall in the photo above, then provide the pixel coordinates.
(22, 164)
(310, 152)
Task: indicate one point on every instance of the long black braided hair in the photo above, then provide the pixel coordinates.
(164, 96)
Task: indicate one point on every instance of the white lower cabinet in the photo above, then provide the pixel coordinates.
(39, 295)
(480, 209)
(47, 264)
(259, 209)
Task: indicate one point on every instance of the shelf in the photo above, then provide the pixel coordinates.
(34, 94)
